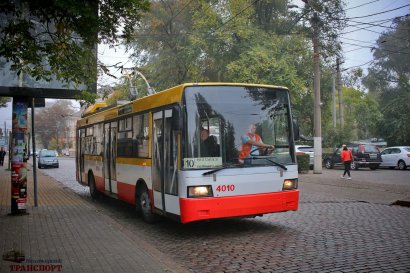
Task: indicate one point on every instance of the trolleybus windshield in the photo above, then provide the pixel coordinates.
(226, 114)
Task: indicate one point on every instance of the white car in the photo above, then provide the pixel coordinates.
(305, 149)
(398, 156)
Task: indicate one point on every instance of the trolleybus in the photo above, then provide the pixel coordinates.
(148, 152)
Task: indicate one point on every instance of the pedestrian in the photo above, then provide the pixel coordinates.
(347, 158)
(2, 155)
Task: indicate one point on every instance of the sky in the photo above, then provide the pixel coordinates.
(356, 42)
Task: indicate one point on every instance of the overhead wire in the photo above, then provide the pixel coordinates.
(362, 5)
(373, 14)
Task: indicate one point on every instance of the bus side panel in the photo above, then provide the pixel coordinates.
(197, 209)
(126, 192)
(95, 165)
(129, 171)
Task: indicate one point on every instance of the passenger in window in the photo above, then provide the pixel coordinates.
(209, 145)
(252, 144)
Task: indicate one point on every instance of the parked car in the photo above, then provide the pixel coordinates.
(305, 149)
(48, 158)
(398, 156)
(364, 155)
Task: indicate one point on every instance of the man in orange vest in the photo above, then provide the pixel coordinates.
(251, 142)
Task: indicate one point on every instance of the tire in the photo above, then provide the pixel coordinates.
(39, 166)
(373, 166)
(402, 165)
(144, 205)
(95, 194)
(328, 164)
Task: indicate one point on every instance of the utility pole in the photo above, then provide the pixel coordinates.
(339, 91)
(317, 111)
(334, 99)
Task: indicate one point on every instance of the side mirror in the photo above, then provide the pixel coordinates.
(176, 118)
(296, 133)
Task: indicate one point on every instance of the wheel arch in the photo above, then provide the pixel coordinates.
(404, 164)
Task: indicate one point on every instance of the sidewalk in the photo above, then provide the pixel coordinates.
(67, 233)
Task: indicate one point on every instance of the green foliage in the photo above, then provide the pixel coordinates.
(303, 163)
(325, 13)
(66, 32)
(362, 113)
(4, 101)
(334, 137)
(50, 124)
(395, 126)
(86, 98)
(389, 81)
(231, 41)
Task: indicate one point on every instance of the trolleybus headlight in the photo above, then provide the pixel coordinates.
(200, 191)
(290, 184)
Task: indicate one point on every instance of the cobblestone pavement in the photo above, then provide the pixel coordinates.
(337, 228)
(348, 228)
(68, 233)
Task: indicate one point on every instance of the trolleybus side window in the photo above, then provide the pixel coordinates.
(97, 139)
(141, 135)
(124, 146)
(89, 133)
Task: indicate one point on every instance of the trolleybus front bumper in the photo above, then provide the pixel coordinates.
(197, 209)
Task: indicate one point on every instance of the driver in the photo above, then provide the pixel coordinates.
(252, 142)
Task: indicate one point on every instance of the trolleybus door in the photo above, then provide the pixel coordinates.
(164, 167)
(80, 155)
(110, 155)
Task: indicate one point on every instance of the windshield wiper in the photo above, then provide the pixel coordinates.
(221, 168)
(270, 160)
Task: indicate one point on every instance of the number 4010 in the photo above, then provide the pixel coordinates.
(223, 188)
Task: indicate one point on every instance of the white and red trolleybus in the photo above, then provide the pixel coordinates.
(148, 152)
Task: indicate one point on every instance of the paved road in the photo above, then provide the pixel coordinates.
(341, 226)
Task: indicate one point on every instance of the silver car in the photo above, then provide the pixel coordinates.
(306, 149)
(48, 158)
(398, 156)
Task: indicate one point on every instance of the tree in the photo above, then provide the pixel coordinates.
(49, 125)
(389, 81)
(4, 101)
(238, 40)
(362, 113)
(58, 37)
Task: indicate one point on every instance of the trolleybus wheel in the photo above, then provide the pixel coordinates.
(91, 184)
(144, 206)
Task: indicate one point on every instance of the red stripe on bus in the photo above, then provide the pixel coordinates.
(99, 183)
(197, 209)
(126, 192)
